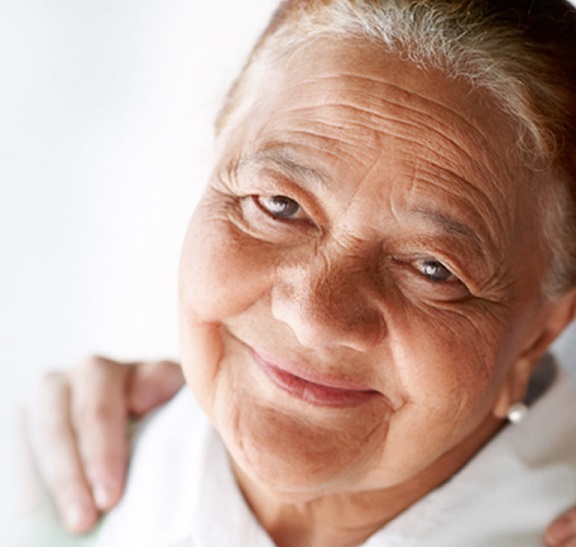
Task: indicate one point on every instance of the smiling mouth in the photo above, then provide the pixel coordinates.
(315, 390)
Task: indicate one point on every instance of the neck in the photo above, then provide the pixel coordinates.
(348, 519)
(338, 520)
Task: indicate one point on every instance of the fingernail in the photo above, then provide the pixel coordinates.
(102, 496)
(560, 531)
(74, 517)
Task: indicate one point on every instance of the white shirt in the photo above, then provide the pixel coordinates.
(181, 491)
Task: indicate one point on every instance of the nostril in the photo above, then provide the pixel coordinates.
(320, 317)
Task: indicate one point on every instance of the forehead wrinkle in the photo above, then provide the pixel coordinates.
(445, 142)
(280, 154)
(456, 181)
(450, 176)
(307, 124)
(375, 143)
(481, 200)
(401, 99)
(490, 235)
(355, 136)
(405, 97)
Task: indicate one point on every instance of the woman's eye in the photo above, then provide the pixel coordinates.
(280, 207)
(435, 271)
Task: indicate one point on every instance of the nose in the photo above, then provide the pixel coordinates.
(329, 303)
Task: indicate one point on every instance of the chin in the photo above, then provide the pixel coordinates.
(295, 458)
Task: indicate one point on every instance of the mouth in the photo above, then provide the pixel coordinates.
(316, 389)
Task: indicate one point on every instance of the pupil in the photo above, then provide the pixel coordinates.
(436, 271)
(282, 206)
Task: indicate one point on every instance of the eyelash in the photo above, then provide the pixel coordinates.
(448, 288)
(275, 218)
(447, 280)
(284, 202)
(429, 263)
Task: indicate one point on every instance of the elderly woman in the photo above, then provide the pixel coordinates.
(383, 254)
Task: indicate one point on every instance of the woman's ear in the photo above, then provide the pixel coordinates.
(557, 315)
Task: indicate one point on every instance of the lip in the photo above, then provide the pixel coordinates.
(313, 388)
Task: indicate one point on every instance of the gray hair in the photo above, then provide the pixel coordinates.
(520, 51)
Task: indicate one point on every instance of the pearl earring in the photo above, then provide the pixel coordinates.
(517, 412)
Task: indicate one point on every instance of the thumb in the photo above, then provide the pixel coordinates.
(151, 384)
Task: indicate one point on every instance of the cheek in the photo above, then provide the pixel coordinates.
(449, 381)
(222, 271)
(201, 344)
(447, 368)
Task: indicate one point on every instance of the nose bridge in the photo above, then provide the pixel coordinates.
(328, 300)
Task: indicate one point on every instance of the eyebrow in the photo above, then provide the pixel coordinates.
(280, 158)
(451, 226)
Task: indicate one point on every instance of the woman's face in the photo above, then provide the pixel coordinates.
(359, 287)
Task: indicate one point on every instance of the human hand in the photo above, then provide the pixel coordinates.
(78, 431)
(562, 531)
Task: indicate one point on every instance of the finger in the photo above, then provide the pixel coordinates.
(562, 532)
(99, 416)
(152, 384)
(54, 448)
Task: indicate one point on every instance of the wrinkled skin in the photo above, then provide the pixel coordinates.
(342, 287)
(405, 265)
(76, 463)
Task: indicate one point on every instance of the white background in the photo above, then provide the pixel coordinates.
(106, 112)
(105, 140)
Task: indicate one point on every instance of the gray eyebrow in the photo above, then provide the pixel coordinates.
(279, 157)
(451, 226)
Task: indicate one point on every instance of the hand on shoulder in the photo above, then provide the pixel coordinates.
(78, 431)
